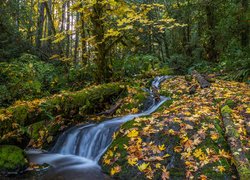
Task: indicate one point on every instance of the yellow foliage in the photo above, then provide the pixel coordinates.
(133, 133)
(115, 170)
(221, 168)
(143, 166)
(132, 160)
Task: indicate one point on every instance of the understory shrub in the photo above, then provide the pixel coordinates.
(24, 78)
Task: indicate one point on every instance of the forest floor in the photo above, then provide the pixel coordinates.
(186, 137)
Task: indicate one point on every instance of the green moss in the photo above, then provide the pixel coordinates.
(230, 103)
(165, 105)
(188, 78)
(244, 172)
(12, 159)
(210, 169)
(226, 110)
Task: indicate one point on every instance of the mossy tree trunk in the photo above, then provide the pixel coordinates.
(103, 71)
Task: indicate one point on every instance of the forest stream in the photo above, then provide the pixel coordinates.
(78, 150)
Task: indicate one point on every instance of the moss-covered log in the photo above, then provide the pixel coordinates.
(67, 104)
(233, 138)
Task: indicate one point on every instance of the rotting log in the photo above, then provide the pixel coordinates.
(234, 142)
(201, 80)
(86, 101)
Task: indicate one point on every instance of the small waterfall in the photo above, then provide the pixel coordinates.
(91, 141)
(85, 144)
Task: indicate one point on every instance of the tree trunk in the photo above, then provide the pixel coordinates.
(76, 41)
(30, 36)
(50, 24)
(67, 29)
(212, 54)
(63, 17)
(17, 14)
(40, 22)
(244, 24)
(103, 72)
(83, 41)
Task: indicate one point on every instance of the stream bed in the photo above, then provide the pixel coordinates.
(78, 150)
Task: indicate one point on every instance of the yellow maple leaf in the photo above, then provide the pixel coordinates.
(115, 170)
(143, 166)
(162, 147)
(158, 165)
(214, 136)
(171, 132)
(134, 110)
(248, 110)
(133, 133)
(132, 161)
(166, 155)
(110, 153)
(187, 113)
(106, 161)
(198, 152)
(221, 168)
(224, 154)
(184, 139)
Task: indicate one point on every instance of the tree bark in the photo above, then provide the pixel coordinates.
(244, 24)
(83, 39)
(63, 17)
(76, 41)
(40, 22)
(211, 51)
(103, 72)
(50, 24)
(67, 29)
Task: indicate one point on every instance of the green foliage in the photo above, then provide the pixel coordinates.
(180, 63)
(134, 65)
(236, 62)
(12, 43)
(24, 78)
(81, 75)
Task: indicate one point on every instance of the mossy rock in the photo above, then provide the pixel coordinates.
(12, 160)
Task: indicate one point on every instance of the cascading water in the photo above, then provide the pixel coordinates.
(78, 150)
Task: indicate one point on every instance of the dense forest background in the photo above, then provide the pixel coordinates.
(51, 45)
